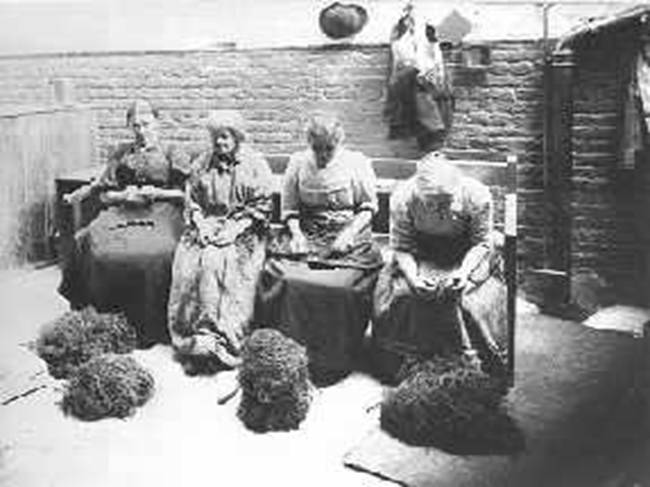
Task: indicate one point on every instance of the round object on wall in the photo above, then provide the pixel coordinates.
(339, 20)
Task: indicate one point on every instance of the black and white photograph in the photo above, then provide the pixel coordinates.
(356, 243)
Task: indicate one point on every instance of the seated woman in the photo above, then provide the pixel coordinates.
(122, 260)
(222, 251)
(440, 294)
(319, 289)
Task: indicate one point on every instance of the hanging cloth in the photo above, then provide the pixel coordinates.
(636, 112)
(420, 101)
(643, 82)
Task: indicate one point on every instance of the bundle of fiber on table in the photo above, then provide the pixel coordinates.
(77, 336)
(448, 402)
(274, 378)
(108, 385)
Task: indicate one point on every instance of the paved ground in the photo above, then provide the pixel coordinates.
(180, 437)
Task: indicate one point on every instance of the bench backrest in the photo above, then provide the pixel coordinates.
(499, 176)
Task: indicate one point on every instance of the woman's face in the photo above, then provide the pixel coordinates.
(223, 141)
(438, 204)
(145, 129)
(323, 148)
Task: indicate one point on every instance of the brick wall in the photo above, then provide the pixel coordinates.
(499, 106)
(604, 195)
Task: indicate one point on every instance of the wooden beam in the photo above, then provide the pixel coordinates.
(491, 173)
(558, 169)
(510, 260)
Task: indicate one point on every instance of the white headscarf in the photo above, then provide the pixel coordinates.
(228, 119)
(436, 175)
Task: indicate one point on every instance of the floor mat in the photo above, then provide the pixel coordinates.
(629, 319)
(577, 399)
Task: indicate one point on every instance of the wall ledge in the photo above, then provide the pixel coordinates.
(14, 111)
(325, 47)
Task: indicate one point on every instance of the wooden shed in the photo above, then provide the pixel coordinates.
(37, 144)
(597, 192)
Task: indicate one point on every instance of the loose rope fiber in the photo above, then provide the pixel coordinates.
(77, 336)
(274, 378)
(449, 403)
(109, 385)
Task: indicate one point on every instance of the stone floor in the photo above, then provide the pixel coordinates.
(180, 437)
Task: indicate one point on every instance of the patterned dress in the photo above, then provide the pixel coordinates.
(406, 324)
(320, 298)
(122, 260)
(213, 285)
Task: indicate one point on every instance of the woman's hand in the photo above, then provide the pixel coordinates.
(425, 288)
(343, 242)
(148, 192)
(131, 195)
(346, 239)
(78, 194)
(225, 346)
(113, 196)
(298, 243)
(230, 231)
(457, 281)
(430, 289)
(204, 344)
(203, 232)
(153, 193)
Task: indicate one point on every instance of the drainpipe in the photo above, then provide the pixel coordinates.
(558, 168)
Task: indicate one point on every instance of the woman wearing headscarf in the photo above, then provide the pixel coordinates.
(222, 251)
(318, 289)
(441, 293)
(122, 260)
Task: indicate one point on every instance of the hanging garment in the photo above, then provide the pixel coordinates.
(420, 101)
(636, 113)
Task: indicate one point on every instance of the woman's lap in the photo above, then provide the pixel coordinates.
(327, 309)
(133, 235)
(122, 262)
(214, 287)
(406, 324)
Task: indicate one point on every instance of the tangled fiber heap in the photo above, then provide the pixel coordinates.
(449, 403)
(109, 385)
(274, 378)
(77, 336)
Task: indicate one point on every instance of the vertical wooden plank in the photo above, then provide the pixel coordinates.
(36, 145)
(510, 258)
(11, 187)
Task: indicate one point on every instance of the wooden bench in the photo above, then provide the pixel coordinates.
(500, 176)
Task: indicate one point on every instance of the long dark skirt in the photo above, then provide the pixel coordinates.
(325, 309)
(407, 325)
(417, 108)
(122, 262)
